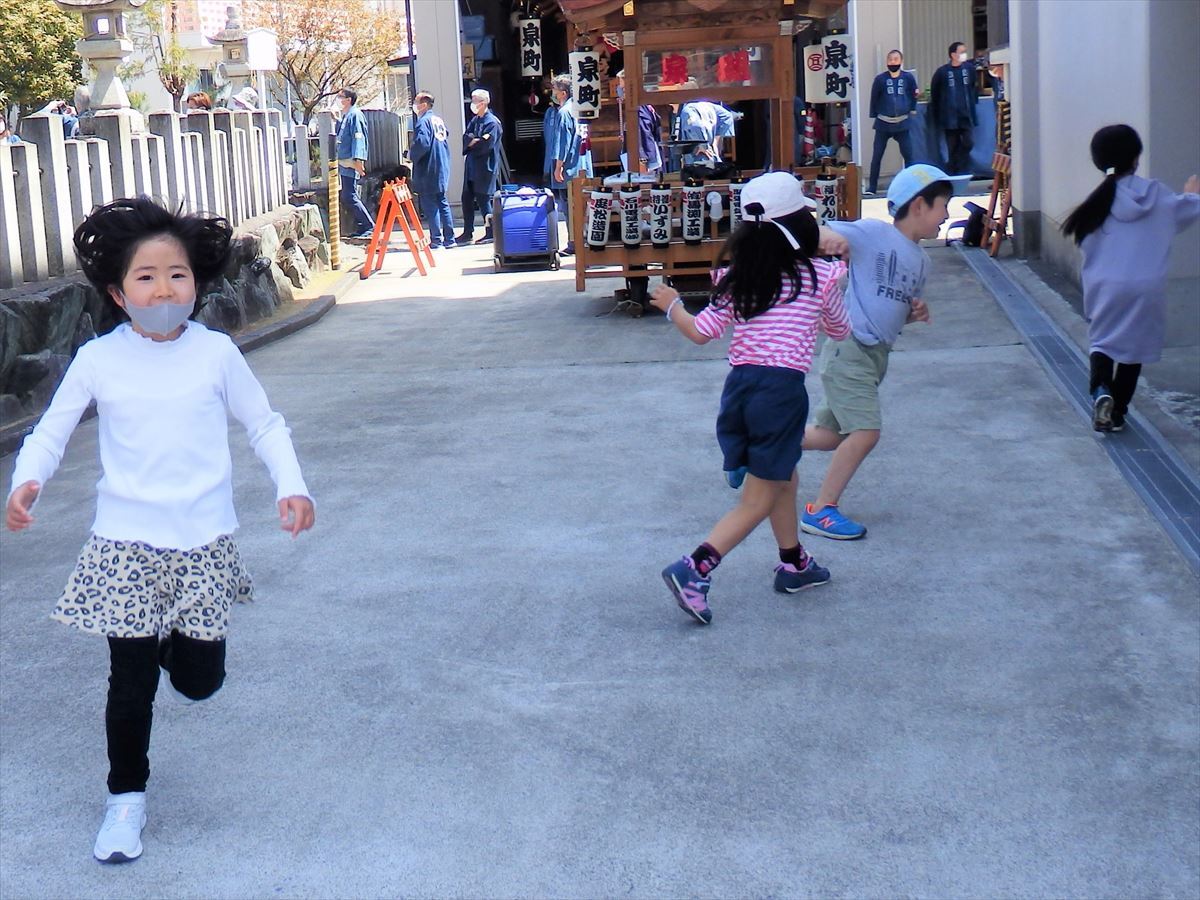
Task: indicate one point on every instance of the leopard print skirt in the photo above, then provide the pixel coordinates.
(128, 589)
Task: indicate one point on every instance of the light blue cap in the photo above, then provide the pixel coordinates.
(911, 181)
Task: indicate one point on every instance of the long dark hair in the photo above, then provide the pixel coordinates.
(107, 239)
(759, 257)
(1115, 147)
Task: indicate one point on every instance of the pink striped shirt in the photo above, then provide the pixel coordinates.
(785, 335)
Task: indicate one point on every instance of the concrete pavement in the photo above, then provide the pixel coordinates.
(469, 680)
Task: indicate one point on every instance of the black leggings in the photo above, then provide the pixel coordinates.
(1121, 385)
(197, 670)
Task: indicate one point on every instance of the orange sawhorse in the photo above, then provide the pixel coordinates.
(396, 205)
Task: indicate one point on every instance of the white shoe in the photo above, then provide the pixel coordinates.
(120, 837)
(164, 684)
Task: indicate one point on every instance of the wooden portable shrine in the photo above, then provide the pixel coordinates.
(676, 51)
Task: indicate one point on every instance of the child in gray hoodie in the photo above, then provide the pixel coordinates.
(1124, 229)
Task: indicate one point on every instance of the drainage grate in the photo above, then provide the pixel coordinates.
(1143, 456)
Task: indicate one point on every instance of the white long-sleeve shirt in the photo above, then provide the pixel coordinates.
(164, 441)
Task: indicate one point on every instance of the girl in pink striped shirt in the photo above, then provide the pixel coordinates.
(775, 295)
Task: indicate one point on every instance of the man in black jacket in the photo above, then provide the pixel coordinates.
(952, 107)
(481, 147)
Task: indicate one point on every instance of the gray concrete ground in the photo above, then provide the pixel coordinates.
(469, 680)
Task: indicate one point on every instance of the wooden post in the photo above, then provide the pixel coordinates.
(335, 217)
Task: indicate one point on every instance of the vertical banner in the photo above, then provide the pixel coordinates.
(839, 75)
(814, 74)
(530, 31)
(828, 74)
(585, 78)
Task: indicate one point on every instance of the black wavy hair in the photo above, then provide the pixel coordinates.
(107, 239)
(929, 193)
(1115, 147)
(759, 256)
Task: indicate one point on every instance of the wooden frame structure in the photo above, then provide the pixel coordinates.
(678, 258)
(690, 26)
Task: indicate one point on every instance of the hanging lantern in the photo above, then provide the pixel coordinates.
(693, 211)
(825, 192)
(660, 215)
(631, 215)
(735, 203)
(530, 34)
(585, 77)
(599, 217)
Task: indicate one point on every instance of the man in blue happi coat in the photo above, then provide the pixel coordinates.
(352, 160)
(481, 147)
(430, 156)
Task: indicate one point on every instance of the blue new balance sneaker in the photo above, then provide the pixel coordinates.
(828, 522)
(690, 589)
(789, 579)
(735, 477)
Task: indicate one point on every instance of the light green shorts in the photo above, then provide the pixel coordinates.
(851, 373)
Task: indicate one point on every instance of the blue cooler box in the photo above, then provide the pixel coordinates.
(525, 227)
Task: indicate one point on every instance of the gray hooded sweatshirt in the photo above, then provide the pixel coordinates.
(1125, 269)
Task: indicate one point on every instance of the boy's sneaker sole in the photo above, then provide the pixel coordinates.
(820, 532)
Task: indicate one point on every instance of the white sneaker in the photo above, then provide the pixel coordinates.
(164, 684)
(120, 837)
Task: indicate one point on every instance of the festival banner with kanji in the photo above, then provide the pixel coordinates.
(585, 76)
(530, 31)
(828, 74)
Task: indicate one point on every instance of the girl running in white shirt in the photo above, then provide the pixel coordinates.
(160, 571)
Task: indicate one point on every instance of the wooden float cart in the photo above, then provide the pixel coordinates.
(698, 30)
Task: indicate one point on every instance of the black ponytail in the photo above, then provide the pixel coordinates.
(1115, 151)
(759, 256)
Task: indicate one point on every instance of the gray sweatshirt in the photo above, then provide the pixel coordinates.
(1125, 269)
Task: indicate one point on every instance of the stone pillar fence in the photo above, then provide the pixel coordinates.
(223, 162)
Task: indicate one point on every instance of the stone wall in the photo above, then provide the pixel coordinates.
(42, 325)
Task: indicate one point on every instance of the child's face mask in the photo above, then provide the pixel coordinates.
(162, 318)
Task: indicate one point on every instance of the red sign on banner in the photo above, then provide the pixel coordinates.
(734, 66)
(674, 69)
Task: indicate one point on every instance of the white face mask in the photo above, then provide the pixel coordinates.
(162, 318)
(416, 110)
(477, 109)
(962, 57)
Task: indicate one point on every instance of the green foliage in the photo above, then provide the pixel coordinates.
(139, 101)
(38, 62)
(152, 31)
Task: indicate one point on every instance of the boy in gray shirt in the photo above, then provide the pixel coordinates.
(887, 277)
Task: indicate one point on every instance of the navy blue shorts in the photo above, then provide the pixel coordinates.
(761, 422)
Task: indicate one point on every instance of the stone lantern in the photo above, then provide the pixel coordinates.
(234, 67)
(104, 45)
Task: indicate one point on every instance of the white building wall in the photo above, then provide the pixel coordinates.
(874, 30)
(1173, 146)
(439, 71)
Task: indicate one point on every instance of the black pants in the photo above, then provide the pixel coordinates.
(1120, 384)
(959, 142)
(473, 199)
(197, 670)
(903, 138)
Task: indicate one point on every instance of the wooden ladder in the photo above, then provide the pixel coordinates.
(995, 227)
